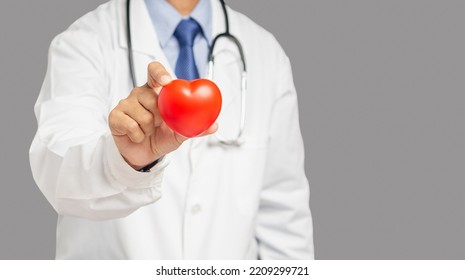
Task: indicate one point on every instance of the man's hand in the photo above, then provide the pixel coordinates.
(137, 127)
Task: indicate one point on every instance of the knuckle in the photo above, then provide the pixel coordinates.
(147, 119)
(112, 121)
(132, 127)
(123, 103)
(112, 116)
(134, 92)
(138, 138)
(152, 102)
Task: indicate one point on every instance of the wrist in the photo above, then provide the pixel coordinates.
(149, 166)
(140, 167)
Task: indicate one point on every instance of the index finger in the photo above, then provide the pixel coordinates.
(157, 76)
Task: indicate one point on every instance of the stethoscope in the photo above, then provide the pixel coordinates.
(237, 140)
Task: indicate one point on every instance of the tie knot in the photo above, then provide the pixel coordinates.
(186, 31)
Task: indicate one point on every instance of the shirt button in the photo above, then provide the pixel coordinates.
(196, 208)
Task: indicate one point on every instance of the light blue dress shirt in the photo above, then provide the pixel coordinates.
(165, 18)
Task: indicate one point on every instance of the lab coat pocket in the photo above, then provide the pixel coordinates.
(238, 171)
(247, 165)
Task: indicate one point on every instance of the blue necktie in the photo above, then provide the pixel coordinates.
(185, 33)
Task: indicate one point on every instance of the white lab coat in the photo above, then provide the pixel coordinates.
(204, 200)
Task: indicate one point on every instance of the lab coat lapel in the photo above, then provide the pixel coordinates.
(145, 45)
(217, 18)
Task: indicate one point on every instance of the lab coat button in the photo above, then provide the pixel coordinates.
(195, 209)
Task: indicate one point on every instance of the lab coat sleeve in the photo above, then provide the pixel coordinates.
(284, 222)
(73, 157)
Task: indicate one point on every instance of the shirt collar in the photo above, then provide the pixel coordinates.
(165, 18)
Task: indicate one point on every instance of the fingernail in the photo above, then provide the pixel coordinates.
(165, 79)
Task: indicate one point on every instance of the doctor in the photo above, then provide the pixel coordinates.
(127, 187)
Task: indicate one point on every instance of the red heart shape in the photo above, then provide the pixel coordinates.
(189, 108)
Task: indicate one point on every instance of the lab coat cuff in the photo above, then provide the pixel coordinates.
(120, 171)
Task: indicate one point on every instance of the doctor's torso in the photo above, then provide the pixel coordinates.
(210, 193)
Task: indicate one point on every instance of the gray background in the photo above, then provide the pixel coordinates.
(381, 88)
